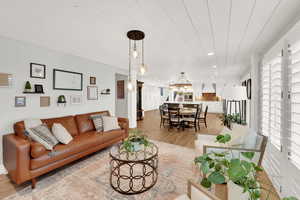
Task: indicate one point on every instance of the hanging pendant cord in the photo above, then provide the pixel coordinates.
(129, 52)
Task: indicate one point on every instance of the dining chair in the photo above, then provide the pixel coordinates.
(203, 119)
(191, 120)
(175, 119)
(163, 115)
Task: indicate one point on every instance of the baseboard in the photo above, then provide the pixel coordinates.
(2, 169)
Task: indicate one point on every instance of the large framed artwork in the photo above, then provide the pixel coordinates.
(67, 80)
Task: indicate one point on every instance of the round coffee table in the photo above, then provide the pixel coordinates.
(133, 173)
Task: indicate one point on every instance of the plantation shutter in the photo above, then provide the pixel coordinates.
(294, 97)
(275, 102)
(265, 99)
(271, 117)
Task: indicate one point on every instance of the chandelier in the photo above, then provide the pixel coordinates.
(182, 82)
(135, 38)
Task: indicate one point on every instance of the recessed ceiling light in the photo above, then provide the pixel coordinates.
(211, 54)
(215, 66)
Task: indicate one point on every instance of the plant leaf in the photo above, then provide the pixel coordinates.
(223, 138)
(236, 171)
(248, 155)
(216, 178)
(205, 167)
(206, 183)
(290, 198)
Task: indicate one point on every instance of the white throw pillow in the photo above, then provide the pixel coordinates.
(110, 123)
(31, 123)
(61, 133)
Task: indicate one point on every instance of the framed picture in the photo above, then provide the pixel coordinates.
(92, 80)
(5, 80)
(120, 89)
(76, 99)
(92, 93)
(20, 101)
(37, 70)
(249, 88)
(67, 80)
(45, 101)
(38, 88)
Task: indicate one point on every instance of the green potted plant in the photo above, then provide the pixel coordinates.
(228, 119)
(240, 173)
(135, 141)
(27, 87)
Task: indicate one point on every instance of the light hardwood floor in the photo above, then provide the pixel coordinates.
(150, 126)
(186, 138)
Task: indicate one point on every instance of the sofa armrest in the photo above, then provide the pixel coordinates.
(124, 124)
(16, 157)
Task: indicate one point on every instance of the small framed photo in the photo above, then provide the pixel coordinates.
(37, 70)
(92, 80)
(38, 88)
(45, 101)
(76, 99)
(92, 93)
(20, 101)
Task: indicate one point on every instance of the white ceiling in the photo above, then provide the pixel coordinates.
(179, 33)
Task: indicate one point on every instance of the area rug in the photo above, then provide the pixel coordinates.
(88, 179)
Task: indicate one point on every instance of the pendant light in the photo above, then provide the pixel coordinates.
(135, 36)
(143, 67)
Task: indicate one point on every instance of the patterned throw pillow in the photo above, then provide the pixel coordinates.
(98, 122)
(43, 135)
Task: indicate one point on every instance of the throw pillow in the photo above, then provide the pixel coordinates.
(43, 135)
(31, 123)
(110, 123)
(98, 122)
(61, 133)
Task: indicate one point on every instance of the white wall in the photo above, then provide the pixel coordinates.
(15, 59)
(151, 97)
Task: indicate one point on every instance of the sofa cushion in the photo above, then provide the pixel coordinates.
(85, 123)
(79, 144)
(37, 150)
(68, 122)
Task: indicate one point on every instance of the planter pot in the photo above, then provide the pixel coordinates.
(236, 192)
(137, 146)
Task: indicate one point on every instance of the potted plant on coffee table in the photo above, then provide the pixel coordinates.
(135, 141)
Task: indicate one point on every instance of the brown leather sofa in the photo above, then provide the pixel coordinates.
(25, 160)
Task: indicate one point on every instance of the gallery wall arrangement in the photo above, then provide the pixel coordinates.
(62, 80)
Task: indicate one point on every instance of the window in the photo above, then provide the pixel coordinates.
(294, 97)
(271, 100)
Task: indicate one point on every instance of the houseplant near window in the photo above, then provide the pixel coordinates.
(135, 141)
(228, 119)
(239, 172)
